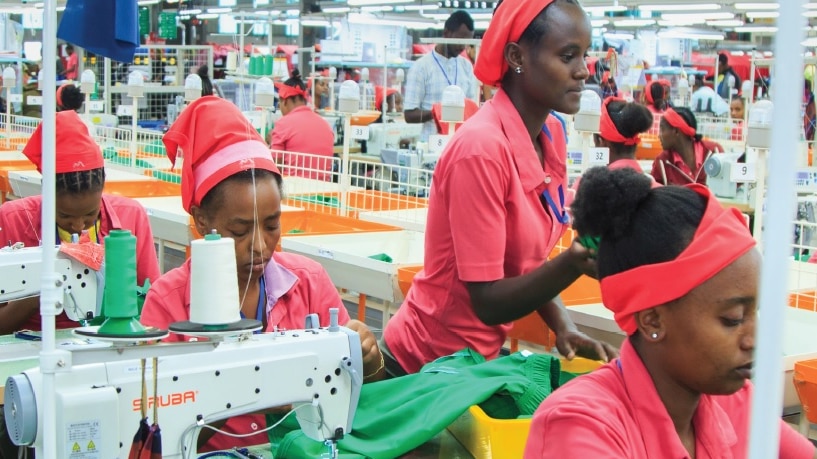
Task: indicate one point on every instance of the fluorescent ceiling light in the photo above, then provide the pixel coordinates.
(599, 22)
(811, 42)
(147, 2)
(810, 14)
(757, 6)
(681, 7)
(375, 2)
(261, 2)
(421, 7)
(207, 16)
(756, 29)
(444, 16)
(600, 10)
(188, 12)
(726, 23)
(337, 9)
(480, 25)
(810, 6)
(692, 16)
(762, 14)
(291, 12)
(315, 23)
(376, 9)
(634, 22)
(362, 18)
(690, 34)
(219, 10)
(681, 22)
(618, 36)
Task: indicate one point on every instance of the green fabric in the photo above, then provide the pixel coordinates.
(398, 415)
(381, 257)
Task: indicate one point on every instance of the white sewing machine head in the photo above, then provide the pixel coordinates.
(719, 174)
(318, 371)
(20, 275)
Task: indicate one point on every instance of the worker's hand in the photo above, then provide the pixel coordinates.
(573, 342)
(583, 259)
(368, 346)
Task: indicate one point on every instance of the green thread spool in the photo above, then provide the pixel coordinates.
(119, 302)
(268, 65)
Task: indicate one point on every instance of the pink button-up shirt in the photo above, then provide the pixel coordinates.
(486, 221)
(616, 412)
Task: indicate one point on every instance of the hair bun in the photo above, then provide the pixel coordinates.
(606, 201)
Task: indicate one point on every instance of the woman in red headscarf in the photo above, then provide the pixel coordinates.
(231, 185)
(682, 161)
(82, 210)
(302, 131)
(656, 95)
(394, 101)
(681, 385)
(497, 207)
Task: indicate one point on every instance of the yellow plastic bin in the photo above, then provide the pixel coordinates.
(488, 438)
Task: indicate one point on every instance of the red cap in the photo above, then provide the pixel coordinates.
(378, 96)
(721, 238)
(218, 141)
(76, 149)
(509, 21)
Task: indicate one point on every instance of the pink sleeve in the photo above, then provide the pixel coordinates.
(476, 188)
(323, 296)
(656, 169)
(793, 445)
(156, 313)
(147, 264)
(280, 136)
(572, 431)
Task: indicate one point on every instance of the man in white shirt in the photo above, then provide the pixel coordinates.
(442, 67)
(705, 99)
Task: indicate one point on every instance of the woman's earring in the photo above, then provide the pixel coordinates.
(654, 335)
(518, 70)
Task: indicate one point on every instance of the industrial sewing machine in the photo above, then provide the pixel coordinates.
(318, 371)
(719, 176)
(20, 271)
(389, 135)
(414, 170)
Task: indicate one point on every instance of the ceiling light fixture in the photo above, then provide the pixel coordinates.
(681, 7)
(757, 6)
(691, 16)
(375, 2)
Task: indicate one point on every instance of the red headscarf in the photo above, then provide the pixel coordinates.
(379, 96)
(286, 91)
(217, 141)
(507, 25)
(608, 130)
(675, 120)
(648, 90)
(59, 95)
(76, 150)
(721, 238)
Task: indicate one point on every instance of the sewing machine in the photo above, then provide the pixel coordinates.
(20, 271)
(414, 170)
(719, 176)
(389, 135)
(318, 371)
(98, 399)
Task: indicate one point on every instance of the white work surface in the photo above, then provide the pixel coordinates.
(11, 155)
(346, 258)
(300, 185)
(410, 219)
(29, 183)
(799, 343)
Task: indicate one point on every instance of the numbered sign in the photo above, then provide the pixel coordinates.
(124, 110)
(360, 132)
(18, 98)
(96, 105)
(598, 156)
(742, 173)
(34, 100)
(437, 143)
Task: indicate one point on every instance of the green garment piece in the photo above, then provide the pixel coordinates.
(381, 257)
(398, 415)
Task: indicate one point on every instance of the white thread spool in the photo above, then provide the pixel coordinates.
(214, 281)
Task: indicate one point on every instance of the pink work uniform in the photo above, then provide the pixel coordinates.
(616, 411)
(295, 286)
(21, 221)
(304, 131)
(677, 171)
(487, 220)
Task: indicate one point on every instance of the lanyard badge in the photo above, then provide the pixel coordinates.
(558, 211)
